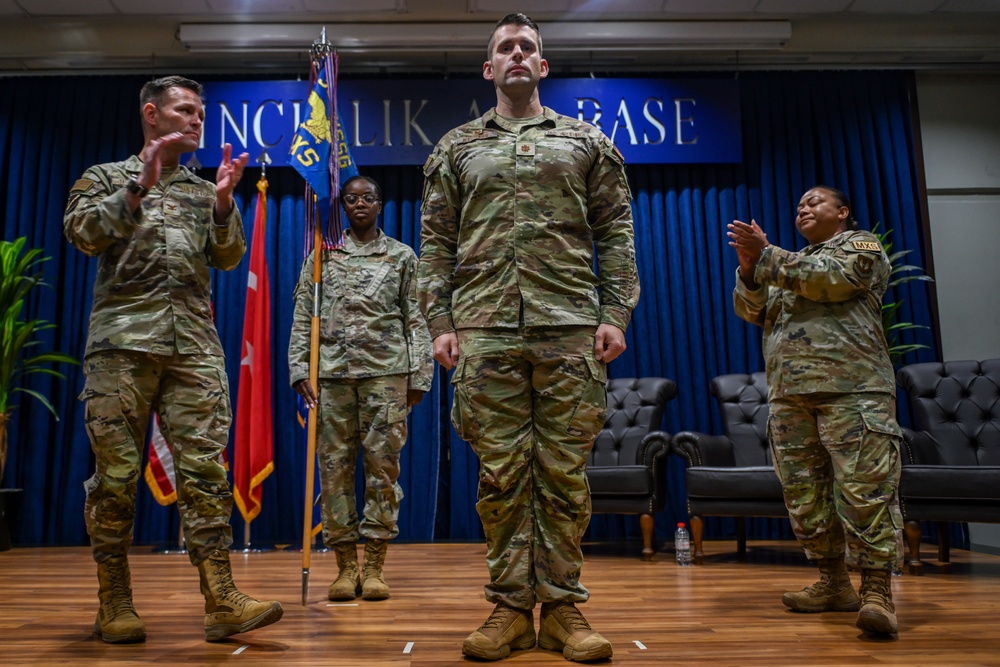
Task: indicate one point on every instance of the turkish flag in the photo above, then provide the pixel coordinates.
(253, 450)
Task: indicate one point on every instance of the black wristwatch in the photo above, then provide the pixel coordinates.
(138, 190)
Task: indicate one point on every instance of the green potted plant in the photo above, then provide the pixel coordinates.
(19, 354)
(900, 273)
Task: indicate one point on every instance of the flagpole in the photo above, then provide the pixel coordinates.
(307, 536)
(321, 50)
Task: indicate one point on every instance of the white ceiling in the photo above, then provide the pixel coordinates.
(58, 36)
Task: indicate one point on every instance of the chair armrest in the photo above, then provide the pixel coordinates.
(701, 449)
(919, 448)
(655, 445)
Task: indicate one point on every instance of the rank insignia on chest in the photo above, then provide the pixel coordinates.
(525, 148)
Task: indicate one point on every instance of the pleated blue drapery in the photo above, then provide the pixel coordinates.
(852, 130)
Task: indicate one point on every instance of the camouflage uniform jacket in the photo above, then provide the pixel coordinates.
(153, 289)
(510, 223)
(821, 310)
(370, 323)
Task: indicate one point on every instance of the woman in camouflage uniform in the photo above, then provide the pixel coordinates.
(832, 423)
(375, 364)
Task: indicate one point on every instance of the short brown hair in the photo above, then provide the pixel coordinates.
(513, 19)
(154, 90)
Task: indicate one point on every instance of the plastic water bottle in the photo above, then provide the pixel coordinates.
(682, 545)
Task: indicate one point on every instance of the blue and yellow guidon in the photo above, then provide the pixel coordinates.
(318, 124)
(310, 152)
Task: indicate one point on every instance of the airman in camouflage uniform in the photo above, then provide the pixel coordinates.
(514, 205)
(832, 423)
(156, 228)
(374, 364)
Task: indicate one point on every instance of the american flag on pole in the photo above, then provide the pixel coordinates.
(160, 466)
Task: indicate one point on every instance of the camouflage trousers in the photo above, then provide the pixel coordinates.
(191, 395)
(531, 404)
(837, 456)
(370, 414)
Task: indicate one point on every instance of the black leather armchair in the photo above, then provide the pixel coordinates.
(731, 475)
(626, 468)
(951, 462)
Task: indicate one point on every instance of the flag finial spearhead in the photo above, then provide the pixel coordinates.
(263, 160)
(321, 48)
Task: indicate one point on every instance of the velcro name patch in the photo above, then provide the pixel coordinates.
(867, 245)
(83, 185)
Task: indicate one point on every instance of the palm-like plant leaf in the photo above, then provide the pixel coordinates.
(899, 274)
(20, 273)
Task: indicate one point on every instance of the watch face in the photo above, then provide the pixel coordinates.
(136, 189)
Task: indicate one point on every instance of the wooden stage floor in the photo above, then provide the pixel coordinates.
(722, 613)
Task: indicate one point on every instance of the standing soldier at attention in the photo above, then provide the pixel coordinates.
(832, 400)
(156, 229)
(515, 204)
(374, 365)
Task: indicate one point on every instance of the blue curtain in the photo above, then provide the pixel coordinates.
(852, 130)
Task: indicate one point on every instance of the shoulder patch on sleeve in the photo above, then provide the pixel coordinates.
(432, 163)
(612, 153)
(864, 265)
(867, 245)
(83, 185)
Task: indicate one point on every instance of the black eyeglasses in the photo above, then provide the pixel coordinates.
(352, 199)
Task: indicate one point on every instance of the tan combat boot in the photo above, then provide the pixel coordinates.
(374, 587)
(507, 629)
(563, 628)
(117, 622)
(833, 591)
(347, 585)
(227, 610)
(878, 613)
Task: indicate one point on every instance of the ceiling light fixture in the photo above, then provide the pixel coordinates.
(454, 37)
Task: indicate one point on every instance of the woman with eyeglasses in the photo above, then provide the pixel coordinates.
(375, 364)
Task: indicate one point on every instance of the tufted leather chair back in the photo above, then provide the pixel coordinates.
(951, 461)
(635, 408)
(742, 402)
(626, 470)
(958, 404)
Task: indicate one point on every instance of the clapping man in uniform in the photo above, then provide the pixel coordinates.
(156, 229)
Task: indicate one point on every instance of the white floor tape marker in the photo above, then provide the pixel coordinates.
(642, 647)
(241, 649)
(409, 647)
